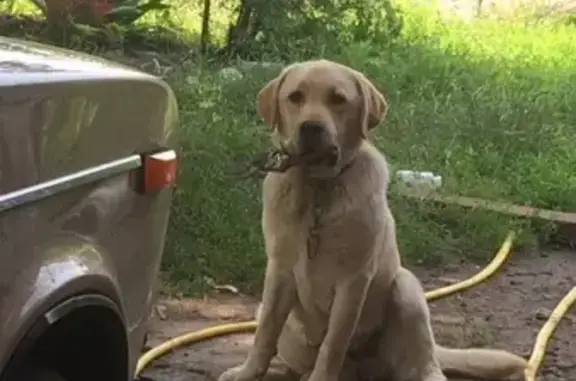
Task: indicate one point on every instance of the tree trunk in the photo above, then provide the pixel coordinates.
(239, 31)
(205, 35)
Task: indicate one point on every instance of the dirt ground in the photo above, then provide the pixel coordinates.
(505, 313)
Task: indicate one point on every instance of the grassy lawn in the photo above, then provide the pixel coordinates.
(488, 105)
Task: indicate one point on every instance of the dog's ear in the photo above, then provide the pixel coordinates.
(374, 105)
(268, 99)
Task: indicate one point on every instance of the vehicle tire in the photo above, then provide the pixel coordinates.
(39, 374)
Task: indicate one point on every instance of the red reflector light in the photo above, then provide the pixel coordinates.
(160, 171)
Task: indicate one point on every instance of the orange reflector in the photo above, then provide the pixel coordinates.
(160, 171)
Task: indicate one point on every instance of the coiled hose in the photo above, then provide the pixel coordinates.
(501, 256)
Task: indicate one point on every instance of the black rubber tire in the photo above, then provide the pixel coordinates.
(39, 374)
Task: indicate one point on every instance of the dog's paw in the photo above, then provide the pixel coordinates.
(239, 373)
(305, 376)
(230, 374)
(321, 376)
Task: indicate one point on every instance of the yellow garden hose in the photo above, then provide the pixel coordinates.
(546, 333)
(499, 259)
(482, 276)
(193, 338)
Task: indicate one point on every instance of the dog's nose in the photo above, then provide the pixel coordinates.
(311, 135)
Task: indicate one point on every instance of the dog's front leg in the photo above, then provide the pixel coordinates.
(344, 315)
(277, 300)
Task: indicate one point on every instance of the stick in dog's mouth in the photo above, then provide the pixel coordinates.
(279, 159)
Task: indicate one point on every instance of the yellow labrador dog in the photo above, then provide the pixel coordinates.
(337, 303)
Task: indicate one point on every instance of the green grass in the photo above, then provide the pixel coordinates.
(490, 106)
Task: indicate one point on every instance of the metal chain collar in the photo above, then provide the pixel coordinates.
(313, 240)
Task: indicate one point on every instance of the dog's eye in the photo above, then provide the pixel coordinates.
(296, 97)
(337, 99)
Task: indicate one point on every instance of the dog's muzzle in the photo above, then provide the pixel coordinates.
(312, 135)
(315, 146)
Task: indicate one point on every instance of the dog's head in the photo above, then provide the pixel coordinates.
(320, 112)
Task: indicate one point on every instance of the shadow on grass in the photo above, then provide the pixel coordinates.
(491, 129)
(495, 129)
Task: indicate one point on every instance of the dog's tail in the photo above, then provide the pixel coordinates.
(486, 364)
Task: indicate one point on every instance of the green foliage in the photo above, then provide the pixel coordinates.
(487, 105)
(94, 12)
(128, 12)
(298, 27)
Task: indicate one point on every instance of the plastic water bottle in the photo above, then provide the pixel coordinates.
(419, 181)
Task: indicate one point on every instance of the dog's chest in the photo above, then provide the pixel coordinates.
(316, 276)
(325, 263)
(330, 253)
(332, 234)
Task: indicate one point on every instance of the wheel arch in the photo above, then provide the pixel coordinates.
(83, 338)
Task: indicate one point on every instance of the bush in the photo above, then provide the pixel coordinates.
(64, 13)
